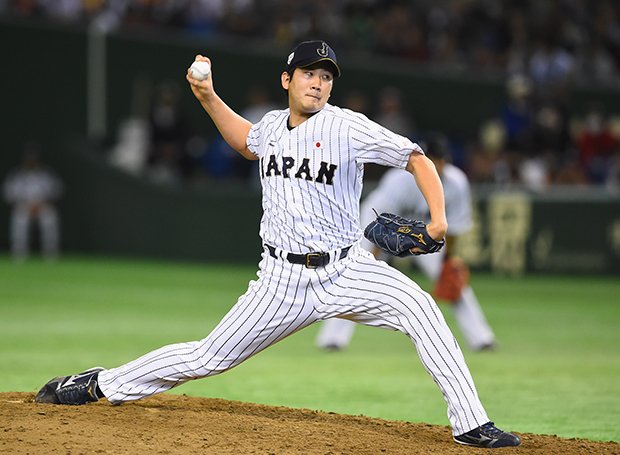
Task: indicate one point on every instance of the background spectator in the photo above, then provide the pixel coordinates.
(391, 114)
(169, 133)
(597, 145)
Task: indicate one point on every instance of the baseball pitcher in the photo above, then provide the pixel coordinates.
(311, 162)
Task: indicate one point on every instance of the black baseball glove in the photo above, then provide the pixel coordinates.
(400, 236)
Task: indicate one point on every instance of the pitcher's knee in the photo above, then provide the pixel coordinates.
(212, 365)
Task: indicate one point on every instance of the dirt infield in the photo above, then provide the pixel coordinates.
(172, 424)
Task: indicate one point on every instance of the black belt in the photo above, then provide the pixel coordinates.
(310, 260)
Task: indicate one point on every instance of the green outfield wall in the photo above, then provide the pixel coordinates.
(562, 230)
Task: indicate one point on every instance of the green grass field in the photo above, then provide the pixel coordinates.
(557, 369)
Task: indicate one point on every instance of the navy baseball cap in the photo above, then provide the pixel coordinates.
(310, 52)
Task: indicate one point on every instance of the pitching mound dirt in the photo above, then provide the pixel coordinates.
(172, 424)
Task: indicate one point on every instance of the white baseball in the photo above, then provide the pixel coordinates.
(200, 70)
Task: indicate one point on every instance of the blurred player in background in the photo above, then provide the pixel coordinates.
(398, 193)
(32, 191)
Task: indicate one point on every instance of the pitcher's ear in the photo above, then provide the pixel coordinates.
(285, 79)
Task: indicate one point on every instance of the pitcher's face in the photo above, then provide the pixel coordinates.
(308, 89)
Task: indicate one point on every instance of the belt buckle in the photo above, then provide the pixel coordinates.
(309, 257)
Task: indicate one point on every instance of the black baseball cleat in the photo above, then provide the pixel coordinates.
(76, 389)
(488, 436)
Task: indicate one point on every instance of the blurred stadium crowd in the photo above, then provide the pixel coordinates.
(543, 48)
(552, 38)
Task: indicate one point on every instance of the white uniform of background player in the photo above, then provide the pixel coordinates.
(311, 159)
(398, 193)
(32, 190)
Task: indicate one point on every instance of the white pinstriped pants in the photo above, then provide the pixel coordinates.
(288, 297)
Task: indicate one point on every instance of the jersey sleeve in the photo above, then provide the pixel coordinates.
(254, 140)
(9, 188)
(376, 144)
(258, 133)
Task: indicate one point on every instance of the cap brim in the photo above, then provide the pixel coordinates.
(314, 62)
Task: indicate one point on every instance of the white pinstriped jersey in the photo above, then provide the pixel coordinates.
(312, 175)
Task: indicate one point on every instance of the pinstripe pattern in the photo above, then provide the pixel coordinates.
(301, 214)
(312, 182)
(288, 297)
